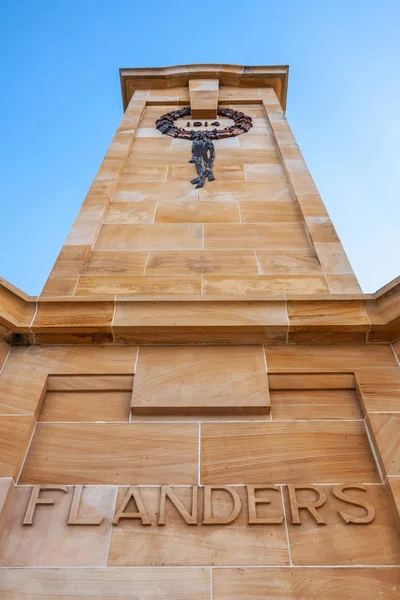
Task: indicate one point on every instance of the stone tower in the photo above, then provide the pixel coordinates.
(201, 382)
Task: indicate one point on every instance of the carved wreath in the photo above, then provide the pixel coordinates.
(203, 151)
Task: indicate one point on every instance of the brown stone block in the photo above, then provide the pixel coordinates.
(288, 262)
(82, 316)
(86, 406)
(343, 284)
(396, 349)
(131, 212)
(292, 452)
(15, 435)
(112, 453)
(321, 229)
(263, 284)
(237, 543)
(251, 191)
(115, 263)
(143, 173)
(385, 431)
(304, 584)
(340, 543)
(238, 262)
(140, 285)
(155, 236)
(222, 171)
(270, 212)
(265, 172)
(200, 380)
(70, 260)
(60, 286)
(151, 192)
(315, 404)
(83, 232)
(329, 358)
(218, 315)
(321, 337)
(89, 383)
(49, 541)
(6, 497)
(347, 315)
(311, 381)
(392, 486)
(106, 584)
(333, 259)
(379, 389)
(197, 212)
(257, 235)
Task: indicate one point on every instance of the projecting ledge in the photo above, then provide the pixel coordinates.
(360, 318)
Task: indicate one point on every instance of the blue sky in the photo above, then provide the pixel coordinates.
(60, 104)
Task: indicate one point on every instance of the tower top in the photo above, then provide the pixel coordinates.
(179, 75)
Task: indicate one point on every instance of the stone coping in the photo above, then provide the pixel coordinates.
(360, 318)
(234, 75)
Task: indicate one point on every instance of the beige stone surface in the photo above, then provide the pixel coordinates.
(304, 584)
(4, 350)
(15, 434)
(23, 380)
(202, 379)
(50, 541)
(257, 235)
(140, 285)
(286, 452)
(224, 285)
(86, 406)
(107, 584)
(315, 404)
(265, 172)
(393, 492)
(131, 212)
(203, 98)
(235, 262)
(288, 262)
(112, 453)
(385, 430)
(152, 192)
(177, 543)
(261, 211)
(231, 171)
(379, 390)
(338, 543)
(329, 358)
(147, 237)
(248, 191)
(207, 211)
(59, 286)
(115, 263)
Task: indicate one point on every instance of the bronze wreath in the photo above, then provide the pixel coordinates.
(203, 151)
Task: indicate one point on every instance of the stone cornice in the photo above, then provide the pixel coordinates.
(358, 318)
(179, 75)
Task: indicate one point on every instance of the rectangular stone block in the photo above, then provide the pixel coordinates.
(178, 543)
(225, 285)
(263, 235)
(248, 191)
(315, 404)
(207, 211)
(379, 390)
(151, 192)
(304, 584)
(86, 406)
(139, 285)
(105, 584)
(147, 237)
(164, 262)
(261, 211)
(200, 380)
(265, 172)
(112, 453)
(49, 541)
(337, 357)
(288, 262)
(129, 213)
(203, 98)
(292, 452)
(115, 263)
(338, 543)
